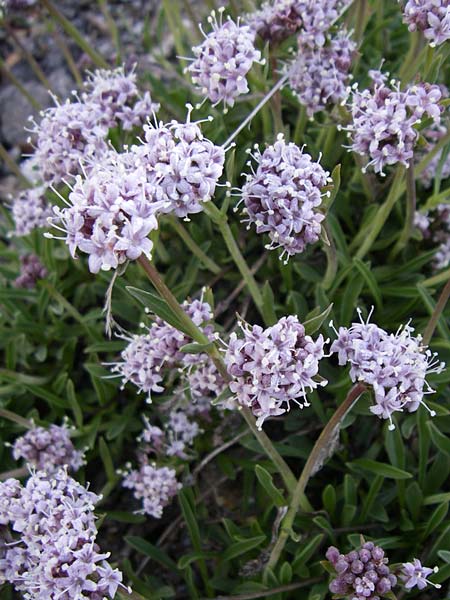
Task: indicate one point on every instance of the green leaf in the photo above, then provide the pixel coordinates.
(379, 468)
(242, 547)
(268, 306)
(266, 480)
(435, 520)
(329, 499)
(158, 306)
(312, 324)
(444, 555)
(370, 280)
(195, 348)
(76, 409)
(192, 557)
(307, 551)
(107, 460)
(151, 551)
(441, 441)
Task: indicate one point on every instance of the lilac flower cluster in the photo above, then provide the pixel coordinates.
(278, 19)
(361, 574)
(432, 135)
(48, 449)
(413, 574)
(31, 270)
(13, 5)
(178, 434)
(395, 365)
(282, 197)
(319, 75)
(430, 16)
(117, 98)
(274, 366)
(435, 227)
(223, 60)
(153, 486)
(384, 120)
(30, 210)
(53, 554)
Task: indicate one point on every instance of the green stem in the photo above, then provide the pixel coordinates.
(369, 237)
(14, 474)
(413, 59)
(437, 279)
(12, 166)
(411, 203)
(12, 416)
(362, 16)
(199, 336)
(315, 458)
(66, 53)
(31, 60)
(7, 73)
(300, 125)
(77, 37)
(220, 219)
(438, 309)
(193, 246)
(332, 261)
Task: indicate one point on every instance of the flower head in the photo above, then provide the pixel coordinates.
(274, 366)
(48, 449)
(154, 486)
(395, 365)
(283, 195)
(413, 574)
(430, 16)
(223, 60)
(31, 270)
(30, 210)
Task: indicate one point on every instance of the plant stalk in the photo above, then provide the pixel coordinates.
(14, 418)
(324, 440)
(193, 246)
(411, 203)
(432, 323)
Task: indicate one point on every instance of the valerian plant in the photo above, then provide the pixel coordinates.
(224, 320)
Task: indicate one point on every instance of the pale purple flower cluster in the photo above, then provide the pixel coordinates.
(435, 227)
(278, 19)
(413, 574)
(30, 210)
(223, 60)
(178, 433)
(153, 486)
(282, 197)
(117, 98)
(361, 574)
(53, 554)
(31, 270)
(385, 119)
(432, 135)
(48, 449)
(319, 75)
(430, 16)
(68, 135)
(148, 357)
(395, 365)
(16, 4)
(274, 366)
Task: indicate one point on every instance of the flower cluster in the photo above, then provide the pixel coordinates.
(319, 75)
(435, 227)
(153, 486)
(223, 60)
(53, 554)
(48, 449)
(30, 210)
(282, 197)
(432, 135)
(179, 432)
(361, 574)
(31, 270)
(116, 96)
(430, 16)
(395, 365)
(274, 366)
(278, 19)
(384, 120)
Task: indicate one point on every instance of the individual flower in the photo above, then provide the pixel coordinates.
(31, 270)
(184, 165)
(30, 210)
(384, 121)
(432, 17)
(278, 19)
(48, 449)
(68, 135)
(223, 60)
(274, 366)
(53, 552)
(362, 574)
(117, 97)
(413, 574)
(395, 365)
(319, 75)
(283, 195)
(153, 486)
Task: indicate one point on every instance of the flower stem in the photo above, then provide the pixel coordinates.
(12, 166)
(7, 73)
(193, 246)
(432, 323)
(332, 260)
(323, 442)
(411, 202)
(413, 59)
(256, 110)
(198, 336)
(14, 418)
(220, 219)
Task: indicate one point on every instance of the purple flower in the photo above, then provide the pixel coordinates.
(53, 554)
(48, 449)
(31, 270)
(283, 195)
(431, 136)
(361, 574)
(274, 366)
(395, 365)
(154, 486)
(384, 120)
(30, 210)
(319, 75)
(223, 60)
(413, 574)
(430, 16)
